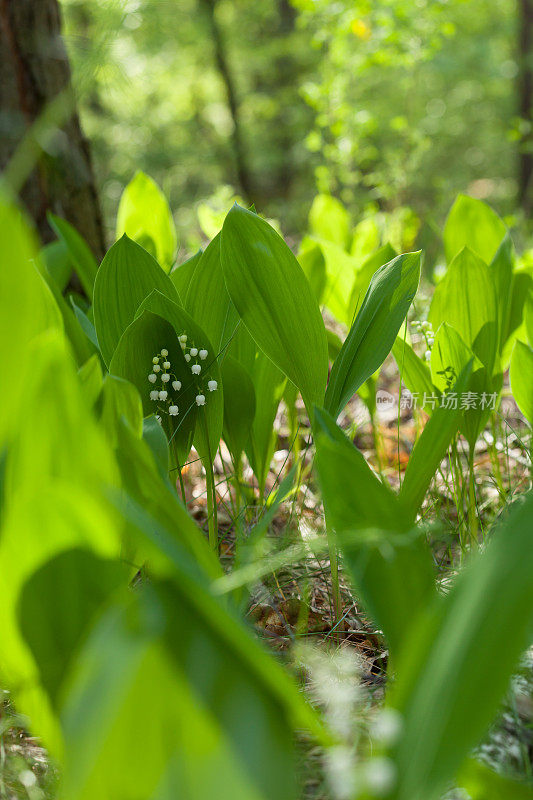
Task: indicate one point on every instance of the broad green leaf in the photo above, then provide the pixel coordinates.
(521, 375)
(466, 299)
(414, 372)
(91, 378)
(57, 262)
(182, 274)
(56, 517)
(482, 783)
(120, 400)
(145, 216)
(82, 347)
(28, 307)
(269, 384)
(57, 605)
(80, 254)
(501, 267)
(181, 744)
(363, 276)
(390, 567)
(210, 416)
(275, 302)
(449, 357)
(239, 405)
(453, 673)
(393, 574)
(46, 444)
(329, 220)
(334, 344)
(366, 238)
(85, 323)
(208, 302)
(312, 261)
(154, 436)
(473, 224)
(431, 448)
(206, 685)
(521, 299)
(376, 326)
(341, 270)
(140, 472)
(354, 497)
(528, 316)
(147, 335)
(126, 277)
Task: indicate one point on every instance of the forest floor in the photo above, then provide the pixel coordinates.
(293, 604)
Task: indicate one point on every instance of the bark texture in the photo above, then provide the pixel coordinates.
(244, 174)
(525, 93)
(34, 69)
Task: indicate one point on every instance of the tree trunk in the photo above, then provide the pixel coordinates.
(525, 94)
(34, 70)
(244, 175)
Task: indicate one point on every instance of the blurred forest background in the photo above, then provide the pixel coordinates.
(393, 106)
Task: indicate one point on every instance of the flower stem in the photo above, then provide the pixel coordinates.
(472, 511)
(212, 517)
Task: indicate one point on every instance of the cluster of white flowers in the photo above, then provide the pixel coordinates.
(193, 356)
(161, 370)
(168, 379)
(427, 332)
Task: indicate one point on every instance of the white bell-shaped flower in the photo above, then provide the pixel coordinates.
(212, 386)
(164, 352)
(203, 354)
(176, 385)
(173, 411)
(157, 368)
(187, 357)
(152, 378)
(196, 369)
(194, 351)
(166, 364)
(163, 394)
(154, 395)
(165, 377)
(200, 400)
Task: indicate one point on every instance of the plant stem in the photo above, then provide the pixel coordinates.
(334, 571)
(377, 444)
(212, 517)
(182, 487)
(180, 476)
(472, 511)
(494, 457)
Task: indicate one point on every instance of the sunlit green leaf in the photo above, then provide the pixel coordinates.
(466, 299)
(329, 220)
(472, 223)
(239, 405)
(376, 326)
(275, 301)
(451, 677)
(79, 252)
(208, 302)
(126, 277)
(145, 216)
(521, 375)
